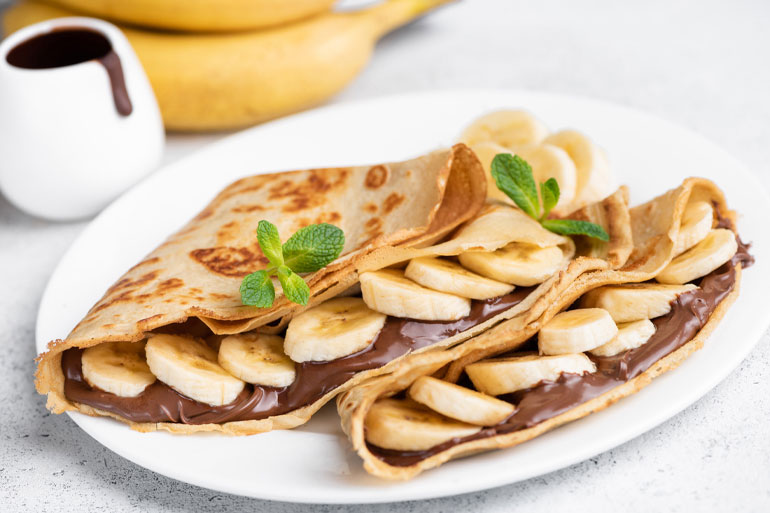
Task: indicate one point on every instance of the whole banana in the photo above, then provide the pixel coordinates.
(200, 15)
(206, 82)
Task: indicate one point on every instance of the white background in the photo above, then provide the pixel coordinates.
(700, 64)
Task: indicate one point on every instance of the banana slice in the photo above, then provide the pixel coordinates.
(549, 161)
(190, 367)
(486, 151)
(696, 224)
(257, 358)
(636, 301)
(404, 425)
(575, 331)
(446, 276)
(509, 128)
(335, 328)
(717, 248)
(460, 403)
(505, 375)
(630, 336)
(594, 179)
(389, 292)
(118, 368)
(517, 263)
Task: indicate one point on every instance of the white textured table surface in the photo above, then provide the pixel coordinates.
(703, 64)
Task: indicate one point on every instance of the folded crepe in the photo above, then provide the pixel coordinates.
(170, 346)
(565, 364)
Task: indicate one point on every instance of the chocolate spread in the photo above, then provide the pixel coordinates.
(67, 46)
(689, 313)
(161, 403)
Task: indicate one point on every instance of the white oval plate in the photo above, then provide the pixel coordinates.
(314, 463)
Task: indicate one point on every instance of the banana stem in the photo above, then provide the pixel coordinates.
(392, 14)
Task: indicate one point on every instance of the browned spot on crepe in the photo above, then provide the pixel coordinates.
(328, 217)
(377, 177)
(392, 201)
(170, 284)
(247, 209)
(309, 193)
(123, 297)
(229, 261)
(228, 233)
(373, 227)
(127, 283)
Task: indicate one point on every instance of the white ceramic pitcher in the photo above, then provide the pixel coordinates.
(65, 149)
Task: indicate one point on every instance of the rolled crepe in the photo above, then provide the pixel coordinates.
(390, 213)
(656, 225)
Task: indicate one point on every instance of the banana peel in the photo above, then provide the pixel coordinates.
(212, 82)
(199, 15)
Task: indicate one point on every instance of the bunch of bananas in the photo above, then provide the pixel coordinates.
(225, 64)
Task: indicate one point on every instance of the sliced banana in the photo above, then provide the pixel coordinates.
(389, 292)
(717, 248)
(517, 263)
(447, 276)
(575, 331)
(190, 367)
(118, 368)
(335, 328)
(460, 403)
(594, 179)
(636, 301)
(630, 336)
(257, 358)
(403, 425)
(505, 375)
(486, 152)
(509, 128)
(696, 224)
(549, 161)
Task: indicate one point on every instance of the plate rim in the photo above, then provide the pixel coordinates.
(685, 399)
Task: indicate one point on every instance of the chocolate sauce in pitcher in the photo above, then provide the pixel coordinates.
(68, 46)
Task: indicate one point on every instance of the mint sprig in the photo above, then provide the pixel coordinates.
(513, 175)
(311, 248)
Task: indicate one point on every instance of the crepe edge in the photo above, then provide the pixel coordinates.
(353, 409)
(354, 404)
(470, 184)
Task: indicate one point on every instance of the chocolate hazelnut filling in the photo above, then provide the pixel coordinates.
(689, 313)
(161, 403)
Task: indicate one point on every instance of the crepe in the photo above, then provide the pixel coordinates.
(191, 281)
(656, 225)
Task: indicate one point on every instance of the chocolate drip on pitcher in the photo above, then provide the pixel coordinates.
(67, 46)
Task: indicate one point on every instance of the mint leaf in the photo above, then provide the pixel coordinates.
(308, 250)
(257, 290)
(514, 177)
(550, 193)
(313, 247)
(270, 242)
(573, 227)
(294, 287)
